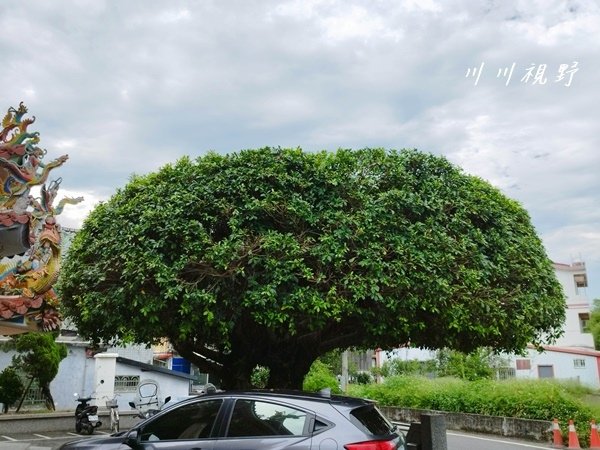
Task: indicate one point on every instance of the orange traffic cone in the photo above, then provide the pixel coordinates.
(594, 438)
(573, 439)
(558, 440)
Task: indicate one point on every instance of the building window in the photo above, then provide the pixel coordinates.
(579, 363)
(546, 371)
(126, 383)
(580, 280)
(505, 373)
(523, 364)
(584, 319)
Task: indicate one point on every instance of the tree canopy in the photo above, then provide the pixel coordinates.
(38, 357)
(272, 257)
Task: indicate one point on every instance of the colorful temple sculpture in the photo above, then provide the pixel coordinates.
(30, 237)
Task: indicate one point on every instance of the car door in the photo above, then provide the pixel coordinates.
(188, 426)
(256, 424)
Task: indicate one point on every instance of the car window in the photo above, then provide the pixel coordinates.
(258, 418)
(191, 421)
(369, 419)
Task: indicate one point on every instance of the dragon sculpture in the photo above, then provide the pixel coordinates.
(30, 237)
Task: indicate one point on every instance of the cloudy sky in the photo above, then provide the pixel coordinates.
(508, 90)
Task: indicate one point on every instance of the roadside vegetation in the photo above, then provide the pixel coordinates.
(455, 382)
(527, 399)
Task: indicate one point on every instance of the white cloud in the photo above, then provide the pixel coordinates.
(576, 241)
(126, 87)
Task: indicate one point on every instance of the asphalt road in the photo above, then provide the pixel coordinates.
(456, 441)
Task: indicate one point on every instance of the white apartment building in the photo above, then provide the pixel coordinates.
(572, 357)
(573, 279)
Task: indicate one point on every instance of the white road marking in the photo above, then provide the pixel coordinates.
(8, 438)
(501, 441)
(42, 436)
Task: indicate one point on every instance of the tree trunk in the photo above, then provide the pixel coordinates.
(48, 397)
(238, 371)
(287, 376)
(25, 392)
(288, 364)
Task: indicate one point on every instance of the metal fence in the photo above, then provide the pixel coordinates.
(505, 373)
(34, 397)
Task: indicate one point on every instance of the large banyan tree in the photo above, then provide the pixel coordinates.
(30, 237)
(273, 257)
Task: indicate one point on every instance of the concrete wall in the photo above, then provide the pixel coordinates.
(61, 421)
(539, 430)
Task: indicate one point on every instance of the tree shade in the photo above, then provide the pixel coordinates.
(273, 257)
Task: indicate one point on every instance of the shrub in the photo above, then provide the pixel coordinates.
(11, 387)
(320, 377)
(527, 399)
(363, 378)
(260, 377)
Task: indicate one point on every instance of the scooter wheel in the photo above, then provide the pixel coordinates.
(78, 427)
(90, 429)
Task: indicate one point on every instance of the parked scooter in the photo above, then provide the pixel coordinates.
(86, 415)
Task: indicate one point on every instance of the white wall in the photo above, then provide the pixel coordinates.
(563, 366)
(170, 385)
(77, 374)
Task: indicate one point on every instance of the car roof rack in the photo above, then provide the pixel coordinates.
(325, 392)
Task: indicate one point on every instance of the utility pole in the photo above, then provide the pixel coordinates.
(344, 380)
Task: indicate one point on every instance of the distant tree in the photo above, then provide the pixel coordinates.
(273, 257)
(473, 366)
(320, 377)
(594, 323)
(11, 387)
(398, 366)
(38, 357)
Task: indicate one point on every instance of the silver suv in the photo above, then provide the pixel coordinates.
(265, 420)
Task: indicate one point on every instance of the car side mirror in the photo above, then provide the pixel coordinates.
(132, 440)
(132, 404)
(167, 399)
